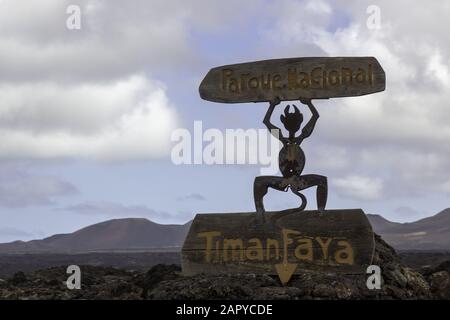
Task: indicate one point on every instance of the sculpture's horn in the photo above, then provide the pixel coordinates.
(286, 110)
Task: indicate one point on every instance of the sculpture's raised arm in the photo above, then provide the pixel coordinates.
(274, 130)
(309, 127)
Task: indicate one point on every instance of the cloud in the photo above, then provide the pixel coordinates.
(400, 138)
(19, 188)
(358, 187)
(116, 38)
(192, 196)
(129, 118)
(94, 93)
(114, 209)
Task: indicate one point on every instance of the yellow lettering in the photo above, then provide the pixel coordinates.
(272, 243)
(275, 81)
(287, 241)
(347, 75)
(370, 73)
(265, 82)
(234, 85)
(324, 246)
(345, 254)
(253, 83)
(361, 75)
(209, 242)
(244, 78)
(334, 78)
(292, 79)
(316, 77)
(225, 74)
(304, 251)
(237, 249)
(304, 80)
(254, 252)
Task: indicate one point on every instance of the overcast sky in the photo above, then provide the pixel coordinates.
(86, 115)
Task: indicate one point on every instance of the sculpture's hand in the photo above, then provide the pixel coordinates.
(309, 127)
(274, 130)
(275, 101)
(305, 100)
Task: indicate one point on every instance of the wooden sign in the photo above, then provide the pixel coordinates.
(336, 241)
(290, 79)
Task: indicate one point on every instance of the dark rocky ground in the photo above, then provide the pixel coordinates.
(421, 259)
(166, 282)
(142, 261)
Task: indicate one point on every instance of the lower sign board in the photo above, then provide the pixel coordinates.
(340, 241)
(292, 78)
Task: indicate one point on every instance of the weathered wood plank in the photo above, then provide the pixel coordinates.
(336, 241)
(289, 79)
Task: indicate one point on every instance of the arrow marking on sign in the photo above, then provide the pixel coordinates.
(285, 271)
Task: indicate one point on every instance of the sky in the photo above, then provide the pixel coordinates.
(87, 114)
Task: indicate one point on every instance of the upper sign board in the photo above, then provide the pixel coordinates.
(290, 79)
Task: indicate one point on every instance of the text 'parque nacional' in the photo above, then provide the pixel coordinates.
(289, 79)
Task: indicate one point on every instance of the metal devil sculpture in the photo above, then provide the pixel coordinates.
(291, 159)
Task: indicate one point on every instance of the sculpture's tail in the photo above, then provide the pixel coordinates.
(275, 219)
(302, 196)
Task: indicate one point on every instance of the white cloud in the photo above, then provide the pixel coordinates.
(125, 119)
(93, 93)
(116, 38)
(85, 93)
(359, 187)
(399, 138)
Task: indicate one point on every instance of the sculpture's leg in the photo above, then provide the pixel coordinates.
(260, 187)
(311, 180)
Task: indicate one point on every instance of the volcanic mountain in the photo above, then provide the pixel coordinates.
(134, 234)
(432, 233)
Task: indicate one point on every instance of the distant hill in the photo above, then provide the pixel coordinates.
(118, 234)
(381, 224)
(432, 233)
(138, 234)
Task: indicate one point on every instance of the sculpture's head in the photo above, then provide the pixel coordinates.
(292, 120)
